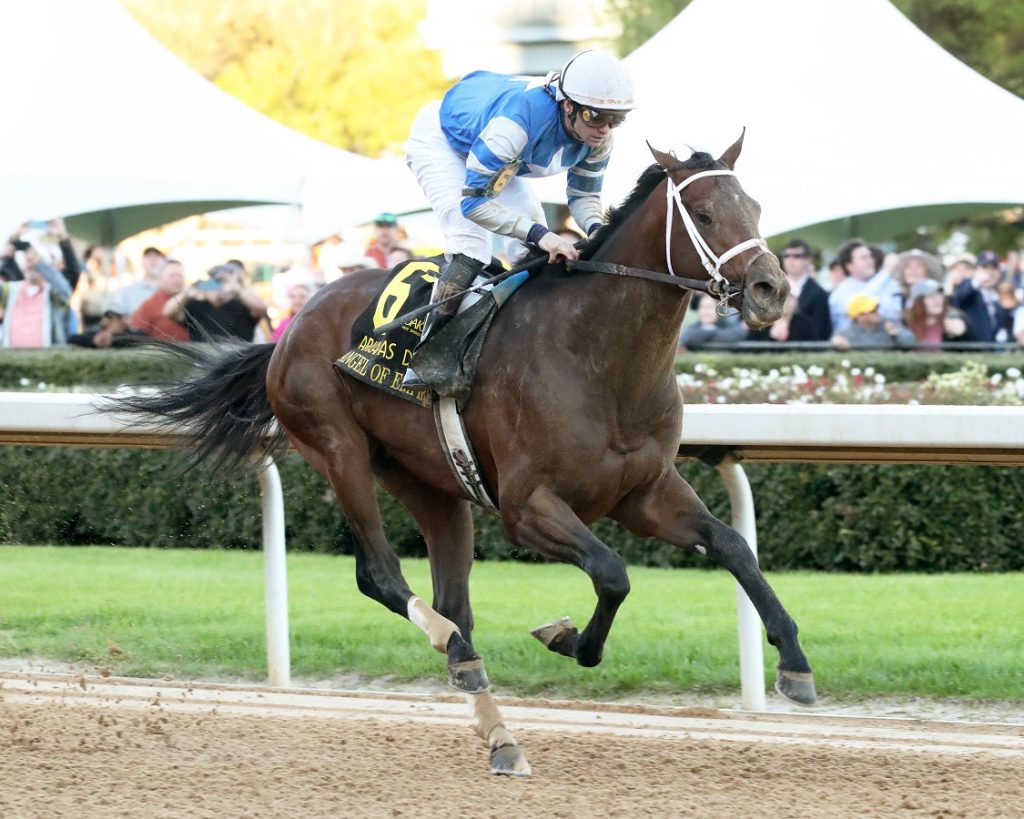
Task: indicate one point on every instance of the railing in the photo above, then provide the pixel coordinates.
(722, 435)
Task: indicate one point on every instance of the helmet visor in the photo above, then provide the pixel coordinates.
(598, 118)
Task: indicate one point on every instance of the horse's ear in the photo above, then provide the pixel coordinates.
(666, 161)
(732, 152)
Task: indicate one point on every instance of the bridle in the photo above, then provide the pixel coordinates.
(717, 286)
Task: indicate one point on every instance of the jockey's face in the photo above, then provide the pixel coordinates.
(592, 135)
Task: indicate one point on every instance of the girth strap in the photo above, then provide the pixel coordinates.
(712, 286)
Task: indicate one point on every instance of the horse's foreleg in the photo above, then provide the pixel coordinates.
(546, 524)
(447, 527)
(671, 511)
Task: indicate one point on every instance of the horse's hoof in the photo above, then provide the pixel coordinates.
(509, 760)
(796, 686)
(559, 636)
(468, 677)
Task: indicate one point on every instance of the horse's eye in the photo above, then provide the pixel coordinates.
(702, 217)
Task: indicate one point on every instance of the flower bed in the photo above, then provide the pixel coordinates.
(972, 384)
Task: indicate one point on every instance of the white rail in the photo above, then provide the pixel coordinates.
(723, 434)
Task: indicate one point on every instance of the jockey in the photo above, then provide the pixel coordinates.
(469, 150)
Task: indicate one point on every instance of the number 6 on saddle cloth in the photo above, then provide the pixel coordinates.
(447, 365)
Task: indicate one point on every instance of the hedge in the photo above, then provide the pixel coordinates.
(835, 517)
(70, 367)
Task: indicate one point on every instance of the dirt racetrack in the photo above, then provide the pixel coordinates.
(89, 747)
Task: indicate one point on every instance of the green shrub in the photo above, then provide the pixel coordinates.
(840, 518)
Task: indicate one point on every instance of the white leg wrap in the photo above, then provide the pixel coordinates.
(487, 721)
(437, 628)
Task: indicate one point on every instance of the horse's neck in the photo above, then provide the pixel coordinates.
(638, 322)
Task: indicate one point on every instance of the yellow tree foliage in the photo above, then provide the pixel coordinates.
(351, 74)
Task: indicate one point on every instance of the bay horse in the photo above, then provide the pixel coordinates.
(575, 416)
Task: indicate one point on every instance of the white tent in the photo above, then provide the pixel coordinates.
(857, 122)
(105, 123)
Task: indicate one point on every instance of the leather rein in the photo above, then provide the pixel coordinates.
(717, 286)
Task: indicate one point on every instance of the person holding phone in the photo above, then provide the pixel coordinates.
(222, 306)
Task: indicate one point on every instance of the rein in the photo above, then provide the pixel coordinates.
(717, 286)
(710, 286)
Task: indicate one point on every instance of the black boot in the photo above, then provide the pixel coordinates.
(453, 279)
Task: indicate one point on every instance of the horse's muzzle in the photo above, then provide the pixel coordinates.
(764, 297)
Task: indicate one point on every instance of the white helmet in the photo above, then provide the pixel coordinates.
(597, 80)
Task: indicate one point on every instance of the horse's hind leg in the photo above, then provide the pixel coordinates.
(546, 524)
(671, 511)
(447, 526)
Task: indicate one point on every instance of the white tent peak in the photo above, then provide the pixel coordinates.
(112, 122)
(850, 110)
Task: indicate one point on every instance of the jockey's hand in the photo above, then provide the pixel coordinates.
(557, 247)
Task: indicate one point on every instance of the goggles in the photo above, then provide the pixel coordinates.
(598, 118)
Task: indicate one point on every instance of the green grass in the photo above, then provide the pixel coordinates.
(144, 612)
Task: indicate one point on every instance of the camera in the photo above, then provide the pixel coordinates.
(210, 285)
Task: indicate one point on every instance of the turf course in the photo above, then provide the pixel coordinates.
(191, 614)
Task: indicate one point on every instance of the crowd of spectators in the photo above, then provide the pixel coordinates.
(868, 299)
(48, 296)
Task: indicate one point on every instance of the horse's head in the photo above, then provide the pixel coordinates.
(711, 223)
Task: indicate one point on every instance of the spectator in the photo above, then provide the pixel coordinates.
(867, 328)
(931, 319)
(911, 267)
(979, 300)
(113, 331)
(807, 318)
(337, 260)
(399, 254)
(127, 300)
(960, 269)
(93, 294)
(33, 307)
(710, 327)
(862, 277)
(385, 237)
(835, 275)
(150, 318)
(221, 307)
(298, 295)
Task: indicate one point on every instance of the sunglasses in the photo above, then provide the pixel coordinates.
(597, 118)
(795, 256)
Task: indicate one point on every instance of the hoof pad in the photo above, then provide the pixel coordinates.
(796, 687)
(509, 760)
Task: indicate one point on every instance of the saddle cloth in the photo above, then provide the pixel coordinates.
(451, 355)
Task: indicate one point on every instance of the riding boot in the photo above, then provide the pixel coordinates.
(453, 279)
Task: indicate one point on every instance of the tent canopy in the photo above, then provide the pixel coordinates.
(117, 133)
(857, 122)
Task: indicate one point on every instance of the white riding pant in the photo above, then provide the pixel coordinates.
(441, 173)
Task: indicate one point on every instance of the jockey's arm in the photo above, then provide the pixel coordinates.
(583, 188)
(493, 162)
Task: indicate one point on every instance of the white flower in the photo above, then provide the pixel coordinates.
(1012, 372)
(815, 371)
(24, 382)
(845, 363)
(879, 378)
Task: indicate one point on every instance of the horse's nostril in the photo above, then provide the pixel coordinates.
(762, 290)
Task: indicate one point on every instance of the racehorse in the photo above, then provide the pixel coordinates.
(575, 416)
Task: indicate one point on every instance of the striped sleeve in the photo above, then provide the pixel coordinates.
(583, 187)
(500, 143)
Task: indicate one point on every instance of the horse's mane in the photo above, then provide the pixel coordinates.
(647, 182)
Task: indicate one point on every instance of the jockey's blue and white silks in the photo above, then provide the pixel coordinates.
(493, 127)
(496, 119)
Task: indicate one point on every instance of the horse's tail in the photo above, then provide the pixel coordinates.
(220, 408)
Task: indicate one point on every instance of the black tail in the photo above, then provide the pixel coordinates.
(221, 408)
